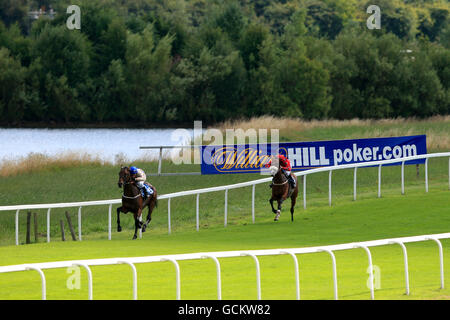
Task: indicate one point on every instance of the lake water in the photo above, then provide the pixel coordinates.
(107, 144)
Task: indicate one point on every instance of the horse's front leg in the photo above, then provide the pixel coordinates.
(119, 228)
(293, 200)
(278, 212)
(137, 223)
(271, 204)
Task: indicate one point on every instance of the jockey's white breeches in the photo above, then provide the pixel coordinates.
(140, 184)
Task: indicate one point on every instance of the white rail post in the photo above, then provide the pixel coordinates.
(253, 203)
(329, 187)
(219, 281)
(403, 177)
(44, 290)
(258, 274)
(160, 161)
(304, 192)
(177, 271)
(371, 278)
(79, 223)
(17, 227)
(197, 214)
(441, 260)
(426, 175)
(133, 268)
(109, 221)
(226, 208)
(297, 274)
(168, 216)
(379, 181)
(405, 259)
(48, 225)
(333, 260)
(448, 173)
(354, 183)
(89, 273)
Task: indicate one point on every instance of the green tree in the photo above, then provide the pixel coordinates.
(363, 75)
(14, 11)
(112, 45)
(396, 17)
(18, 44)
(303, 82)
(110, 97)
(252, 39)
(148, 67)
(323, 20)
(13, 95)
(63, 53)
(434, 23)
(62, 57)
(230, 19)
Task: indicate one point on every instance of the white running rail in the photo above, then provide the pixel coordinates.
(293, 252)
(253, 183)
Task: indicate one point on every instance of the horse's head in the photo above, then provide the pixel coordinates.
(273, 170)
(275, 166)
(124, 176)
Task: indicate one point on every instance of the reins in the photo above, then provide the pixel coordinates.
(279, 184)
(128, 197)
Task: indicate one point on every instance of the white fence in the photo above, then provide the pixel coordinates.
(252, 253)
(197, 192)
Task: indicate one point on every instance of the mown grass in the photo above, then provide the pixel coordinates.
(346, 221)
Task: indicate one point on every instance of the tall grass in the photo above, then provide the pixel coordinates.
(436, 128)
(299, 124)
(35, 162)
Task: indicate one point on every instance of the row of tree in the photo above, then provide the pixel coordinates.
(175, 61)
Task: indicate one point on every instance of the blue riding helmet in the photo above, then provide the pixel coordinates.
(133, 170)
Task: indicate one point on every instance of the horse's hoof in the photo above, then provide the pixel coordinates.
(277, 216)
(135, 237)
(144, 228)
(119, 229)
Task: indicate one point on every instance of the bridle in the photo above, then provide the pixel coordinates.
(127, 181)
(282, 183)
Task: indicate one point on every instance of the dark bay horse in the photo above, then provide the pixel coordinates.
(132, 201)
(281, 190)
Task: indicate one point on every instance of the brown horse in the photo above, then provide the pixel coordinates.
(281, 190)
(132, 201)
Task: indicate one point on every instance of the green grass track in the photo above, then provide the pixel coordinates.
(346, 221)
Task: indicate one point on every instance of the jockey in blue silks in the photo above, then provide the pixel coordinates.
(139, 176)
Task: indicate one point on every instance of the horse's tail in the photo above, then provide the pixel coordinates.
(156, 197)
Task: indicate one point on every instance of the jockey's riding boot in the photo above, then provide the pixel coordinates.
(291, 181)
(147, 191)
(143, 192)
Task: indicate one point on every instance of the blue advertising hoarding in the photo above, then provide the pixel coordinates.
(308, 155)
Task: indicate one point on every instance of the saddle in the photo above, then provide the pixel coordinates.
(149, 190)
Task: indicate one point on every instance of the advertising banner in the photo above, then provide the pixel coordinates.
(252, 158)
